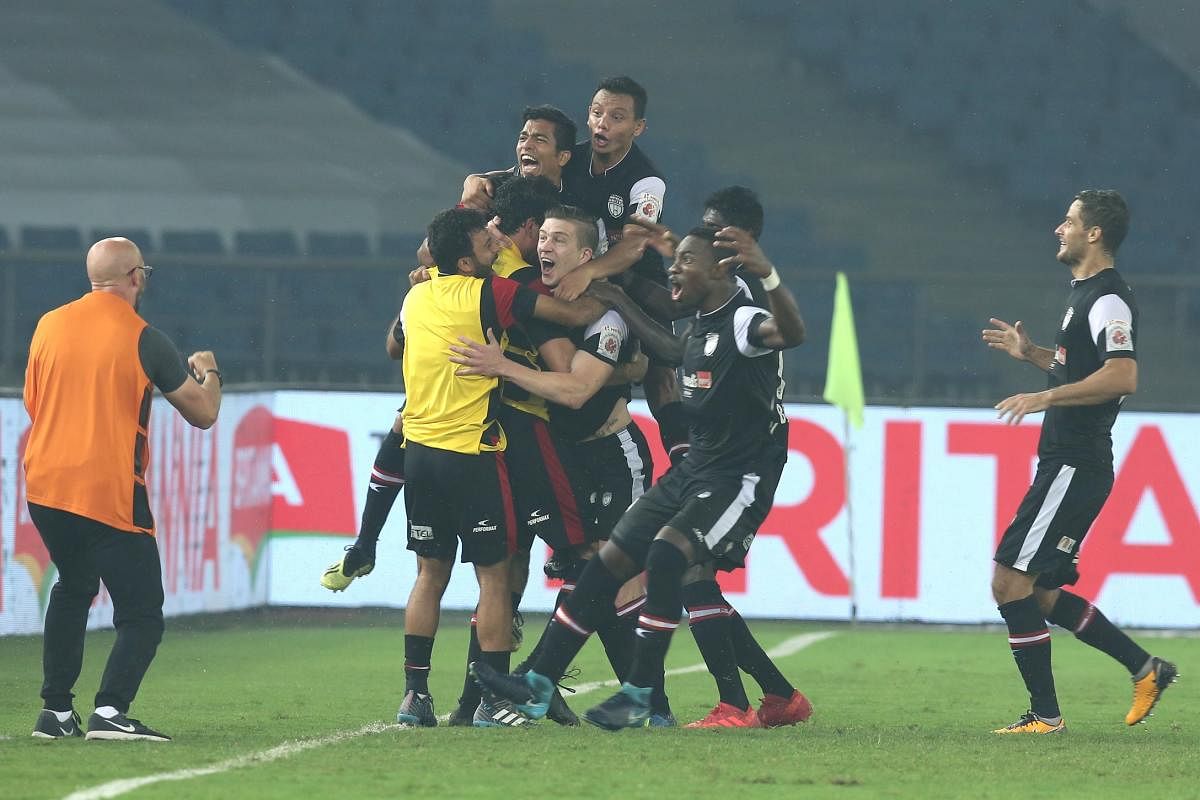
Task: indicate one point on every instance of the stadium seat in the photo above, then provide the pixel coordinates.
(269, 243)
(198, 242)
(337, 245)
(139, 236)
(56, 238)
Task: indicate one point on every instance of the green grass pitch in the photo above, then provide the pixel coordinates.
(900, 712)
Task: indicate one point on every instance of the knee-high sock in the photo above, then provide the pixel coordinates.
(1029, 639)
(575, 620)
(1093, 628)
(387, 479)
(709, 618)
(665, 565)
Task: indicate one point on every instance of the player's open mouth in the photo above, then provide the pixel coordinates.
(529, 161)
(547, 266)
(599, 140)
(676, 289)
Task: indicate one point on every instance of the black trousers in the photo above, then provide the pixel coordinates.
(86, 552)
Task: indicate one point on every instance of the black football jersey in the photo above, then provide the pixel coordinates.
(1100, 323)
(609, 340)
(732, 390)
(631, 186)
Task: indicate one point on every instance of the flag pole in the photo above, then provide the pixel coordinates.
(848, 451)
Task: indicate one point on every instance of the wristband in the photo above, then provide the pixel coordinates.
(220, 380)
(771, 282)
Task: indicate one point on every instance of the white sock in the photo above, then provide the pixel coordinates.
(106, 712)
(62, 716)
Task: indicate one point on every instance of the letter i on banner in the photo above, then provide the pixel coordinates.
(844, 389)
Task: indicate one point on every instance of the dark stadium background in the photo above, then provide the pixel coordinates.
(277, 160)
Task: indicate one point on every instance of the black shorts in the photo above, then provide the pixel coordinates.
(451, 496)
(1054, 517)
(548, 489)
(721, 511)
(618, 469)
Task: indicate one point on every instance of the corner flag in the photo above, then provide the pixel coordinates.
(843, 378)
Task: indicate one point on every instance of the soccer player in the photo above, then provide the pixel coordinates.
(1092, 369)
(610, 177)
(708, 507)
(592, 412)
(456, 477)
(93, 366)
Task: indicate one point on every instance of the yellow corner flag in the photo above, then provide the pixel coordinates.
(843, 378)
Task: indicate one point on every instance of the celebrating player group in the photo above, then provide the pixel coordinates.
(542, 297)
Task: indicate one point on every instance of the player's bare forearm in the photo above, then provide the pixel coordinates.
(1116, 379)
(575, 314)
(654, 298)
(395, 347)
(788, 326)
(657, 341)
(1040, 357)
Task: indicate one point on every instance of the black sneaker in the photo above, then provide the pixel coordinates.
(559, 711)
(416, 709)
(628, 708)
(461, 717)
(530, 692)
(496, 712)
(122, 728)
(48, 726)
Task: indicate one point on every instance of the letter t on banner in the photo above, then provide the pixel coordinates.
(844, 388)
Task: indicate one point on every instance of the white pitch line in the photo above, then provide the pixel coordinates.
(125, 785)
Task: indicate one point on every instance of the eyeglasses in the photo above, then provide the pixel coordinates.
(149, 270)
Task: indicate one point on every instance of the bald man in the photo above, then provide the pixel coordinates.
(93, 364)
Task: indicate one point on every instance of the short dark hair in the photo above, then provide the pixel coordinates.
(520, 198)
(586, 231)
(740, 207)
(1105, 209)
(623, 84)
(450, 237)
(564, 128)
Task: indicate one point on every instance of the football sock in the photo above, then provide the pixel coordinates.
(616, 634)
(673, 430)
(755, 662)
(498, 660)
(574, 621)
(417, 652)
(471, 692)
(387, 479)
(1029, 639)
(665, 565)
(709, 618)
(1092, 628)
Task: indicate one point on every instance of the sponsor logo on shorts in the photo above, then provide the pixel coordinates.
(1066, 544)
(536, 516)
(420, 533)
(484, 526)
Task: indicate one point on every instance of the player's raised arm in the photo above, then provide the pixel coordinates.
(785, 327)
(657, 341)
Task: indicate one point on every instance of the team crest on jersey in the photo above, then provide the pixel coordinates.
(710, 343)
(616, 205)
(1067, 317)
